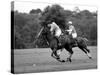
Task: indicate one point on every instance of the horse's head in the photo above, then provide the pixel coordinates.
(46, 30)
(53, 43)
(47, 33)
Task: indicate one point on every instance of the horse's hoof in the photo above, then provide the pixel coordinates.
(90, 57)
(63, 60)
(58, 58)
(68, 60)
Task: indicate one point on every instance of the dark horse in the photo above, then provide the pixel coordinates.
(68, 45)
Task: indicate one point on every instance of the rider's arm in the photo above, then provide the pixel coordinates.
(69, 30)
(51, 29)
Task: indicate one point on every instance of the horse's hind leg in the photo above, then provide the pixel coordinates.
(70, 55)
(86, 51)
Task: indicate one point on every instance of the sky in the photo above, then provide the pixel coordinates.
(26, 6)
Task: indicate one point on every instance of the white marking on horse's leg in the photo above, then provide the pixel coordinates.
(89, 55)
(59, 52)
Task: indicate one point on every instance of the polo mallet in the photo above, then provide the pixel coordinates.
(38, 35)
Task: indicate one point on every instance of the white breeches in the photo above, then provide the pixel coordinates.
(58, 33)
(74, 35)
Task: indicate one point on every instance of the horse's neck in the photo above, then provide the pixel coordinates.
(49, 38)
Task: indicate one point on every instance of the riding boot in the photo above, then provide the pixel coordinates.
(58, 41)
(75, 41)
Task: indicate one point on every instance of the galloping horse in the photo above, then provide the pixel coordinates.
(68, 45)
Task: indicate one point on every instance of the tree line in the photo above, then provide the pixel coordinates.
(28, 25)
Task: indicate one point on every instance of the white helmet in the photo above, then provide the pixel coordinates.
(53, 23)
(69, 22)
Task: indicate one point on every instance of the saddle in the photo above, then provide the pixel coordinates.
(62, 39)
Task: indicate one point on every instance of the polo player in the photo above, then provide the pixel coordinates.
(72, 30)
(54, 28)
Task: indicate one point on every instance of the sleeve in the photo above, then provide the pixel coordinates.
(51, 29)
(70, 29)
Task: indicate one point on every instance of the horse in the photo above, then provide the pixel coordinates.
(68, 45)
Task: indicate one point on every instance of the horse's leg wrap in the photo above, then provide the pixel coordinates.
(70, 55)
(54, 54)
(59, 52)
(89, 55)
(87, 50)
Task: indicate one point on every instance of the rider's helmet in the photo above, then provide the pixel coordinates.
(70, 22)
(53, 23)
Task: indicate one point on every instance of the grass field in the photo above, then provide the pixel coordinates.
(40, 60)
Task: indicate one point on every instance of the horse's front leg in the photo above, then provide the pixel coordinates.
(70, 55)
(56, 56)
(53, 55)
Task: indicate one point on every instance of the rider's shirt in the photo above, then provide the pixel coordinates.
(54, 27)
(71, 29)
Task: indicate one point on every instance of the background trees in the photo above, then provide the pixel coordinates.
(27, 25)
(35, 11)
(54, 13)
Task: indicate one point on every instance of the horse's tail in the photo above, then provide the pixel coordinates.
(85, 41)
